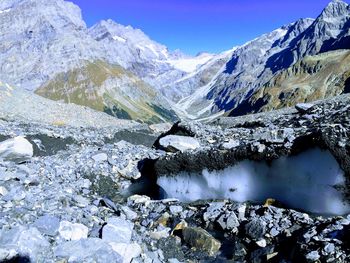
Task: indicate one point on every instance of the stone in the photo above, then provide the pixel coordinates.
(304, 107)
(229, 222)
(200, 239)
(174, 143)
(139, 199)
(213, 211)
(261, 243)
(47, 225)
(99, 158)
(180, 226)
(231, 144)
(160, 127)
(117, 230)
(175, 209)
(17, 150)
(256, 228)
(241, 212)
(25, 242)
(3, 191)
(127, 251)
(329, 248)
(87, 250)
(70, 231)
(313, 256)
(159, 234)
(163, 220)
(131, 215)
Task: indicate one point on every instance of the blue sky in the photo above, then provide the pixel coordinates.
(201, 25)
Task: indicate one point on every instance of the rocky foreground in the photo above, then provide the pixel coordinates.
(78, 193)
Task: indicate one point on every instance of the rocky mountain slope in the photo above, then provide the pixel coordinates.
(238, 87)
(312, 78)
(46, 44)
(20, 105)
(47, 48)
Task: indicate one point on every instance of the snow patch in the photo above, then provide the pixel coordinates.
(5, 11)
(120, 39)
(305, 182)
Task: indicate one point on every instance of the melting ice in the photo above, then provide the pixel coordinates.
(306, 181)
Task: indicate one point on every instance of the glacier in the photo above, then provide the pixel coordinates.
(308, 181)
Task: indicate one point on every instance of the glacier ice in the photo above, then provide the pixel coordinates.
(306, 181)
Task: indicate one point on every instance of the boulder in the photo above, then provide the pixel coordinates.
(200, 239)
(304, 107)
(47, 225)
(127, 251)
(17, 149)
(117, 230)
(25, 243)
(87, 250)
(70, 231)
(175, 143)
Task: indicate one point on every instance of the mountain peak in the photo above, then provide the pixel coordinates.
(336, 8)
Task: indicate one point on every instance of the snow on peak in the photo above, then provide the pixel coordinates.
(120, 39)
(5, 11)
(336, 8)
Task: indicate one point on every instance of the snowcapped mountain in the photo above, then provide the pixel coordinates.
(46, 47)
(253, 66)
(130, 47)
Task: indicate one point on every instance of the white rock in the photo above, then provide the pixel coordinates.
(231, 144)
(70, 231)
(3, 191)
(101, 157)
(160, 234)
(87, 250)
(179, 143)
(24, 241)
(139, 199)
(175, 209)
(304, 107)
(261, 243)
(127, 251)
(130, 214)
(17, 149)
(160, 127)
(117, 230)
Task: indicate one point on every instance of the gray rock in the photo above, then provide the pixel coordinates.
(99, 158)
(26, 242)
(213, 211)
(47, 225)
(329, 248)
(313, 256)
(175, 209)
(304, 107)
(117, 230)
(87, 250)
(72, 231)
(256, 228)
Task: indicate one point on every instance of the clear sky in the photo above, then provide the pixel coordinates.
(201, 25)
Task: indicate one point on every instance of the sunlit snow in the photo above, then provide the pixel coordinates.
(5, 11)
